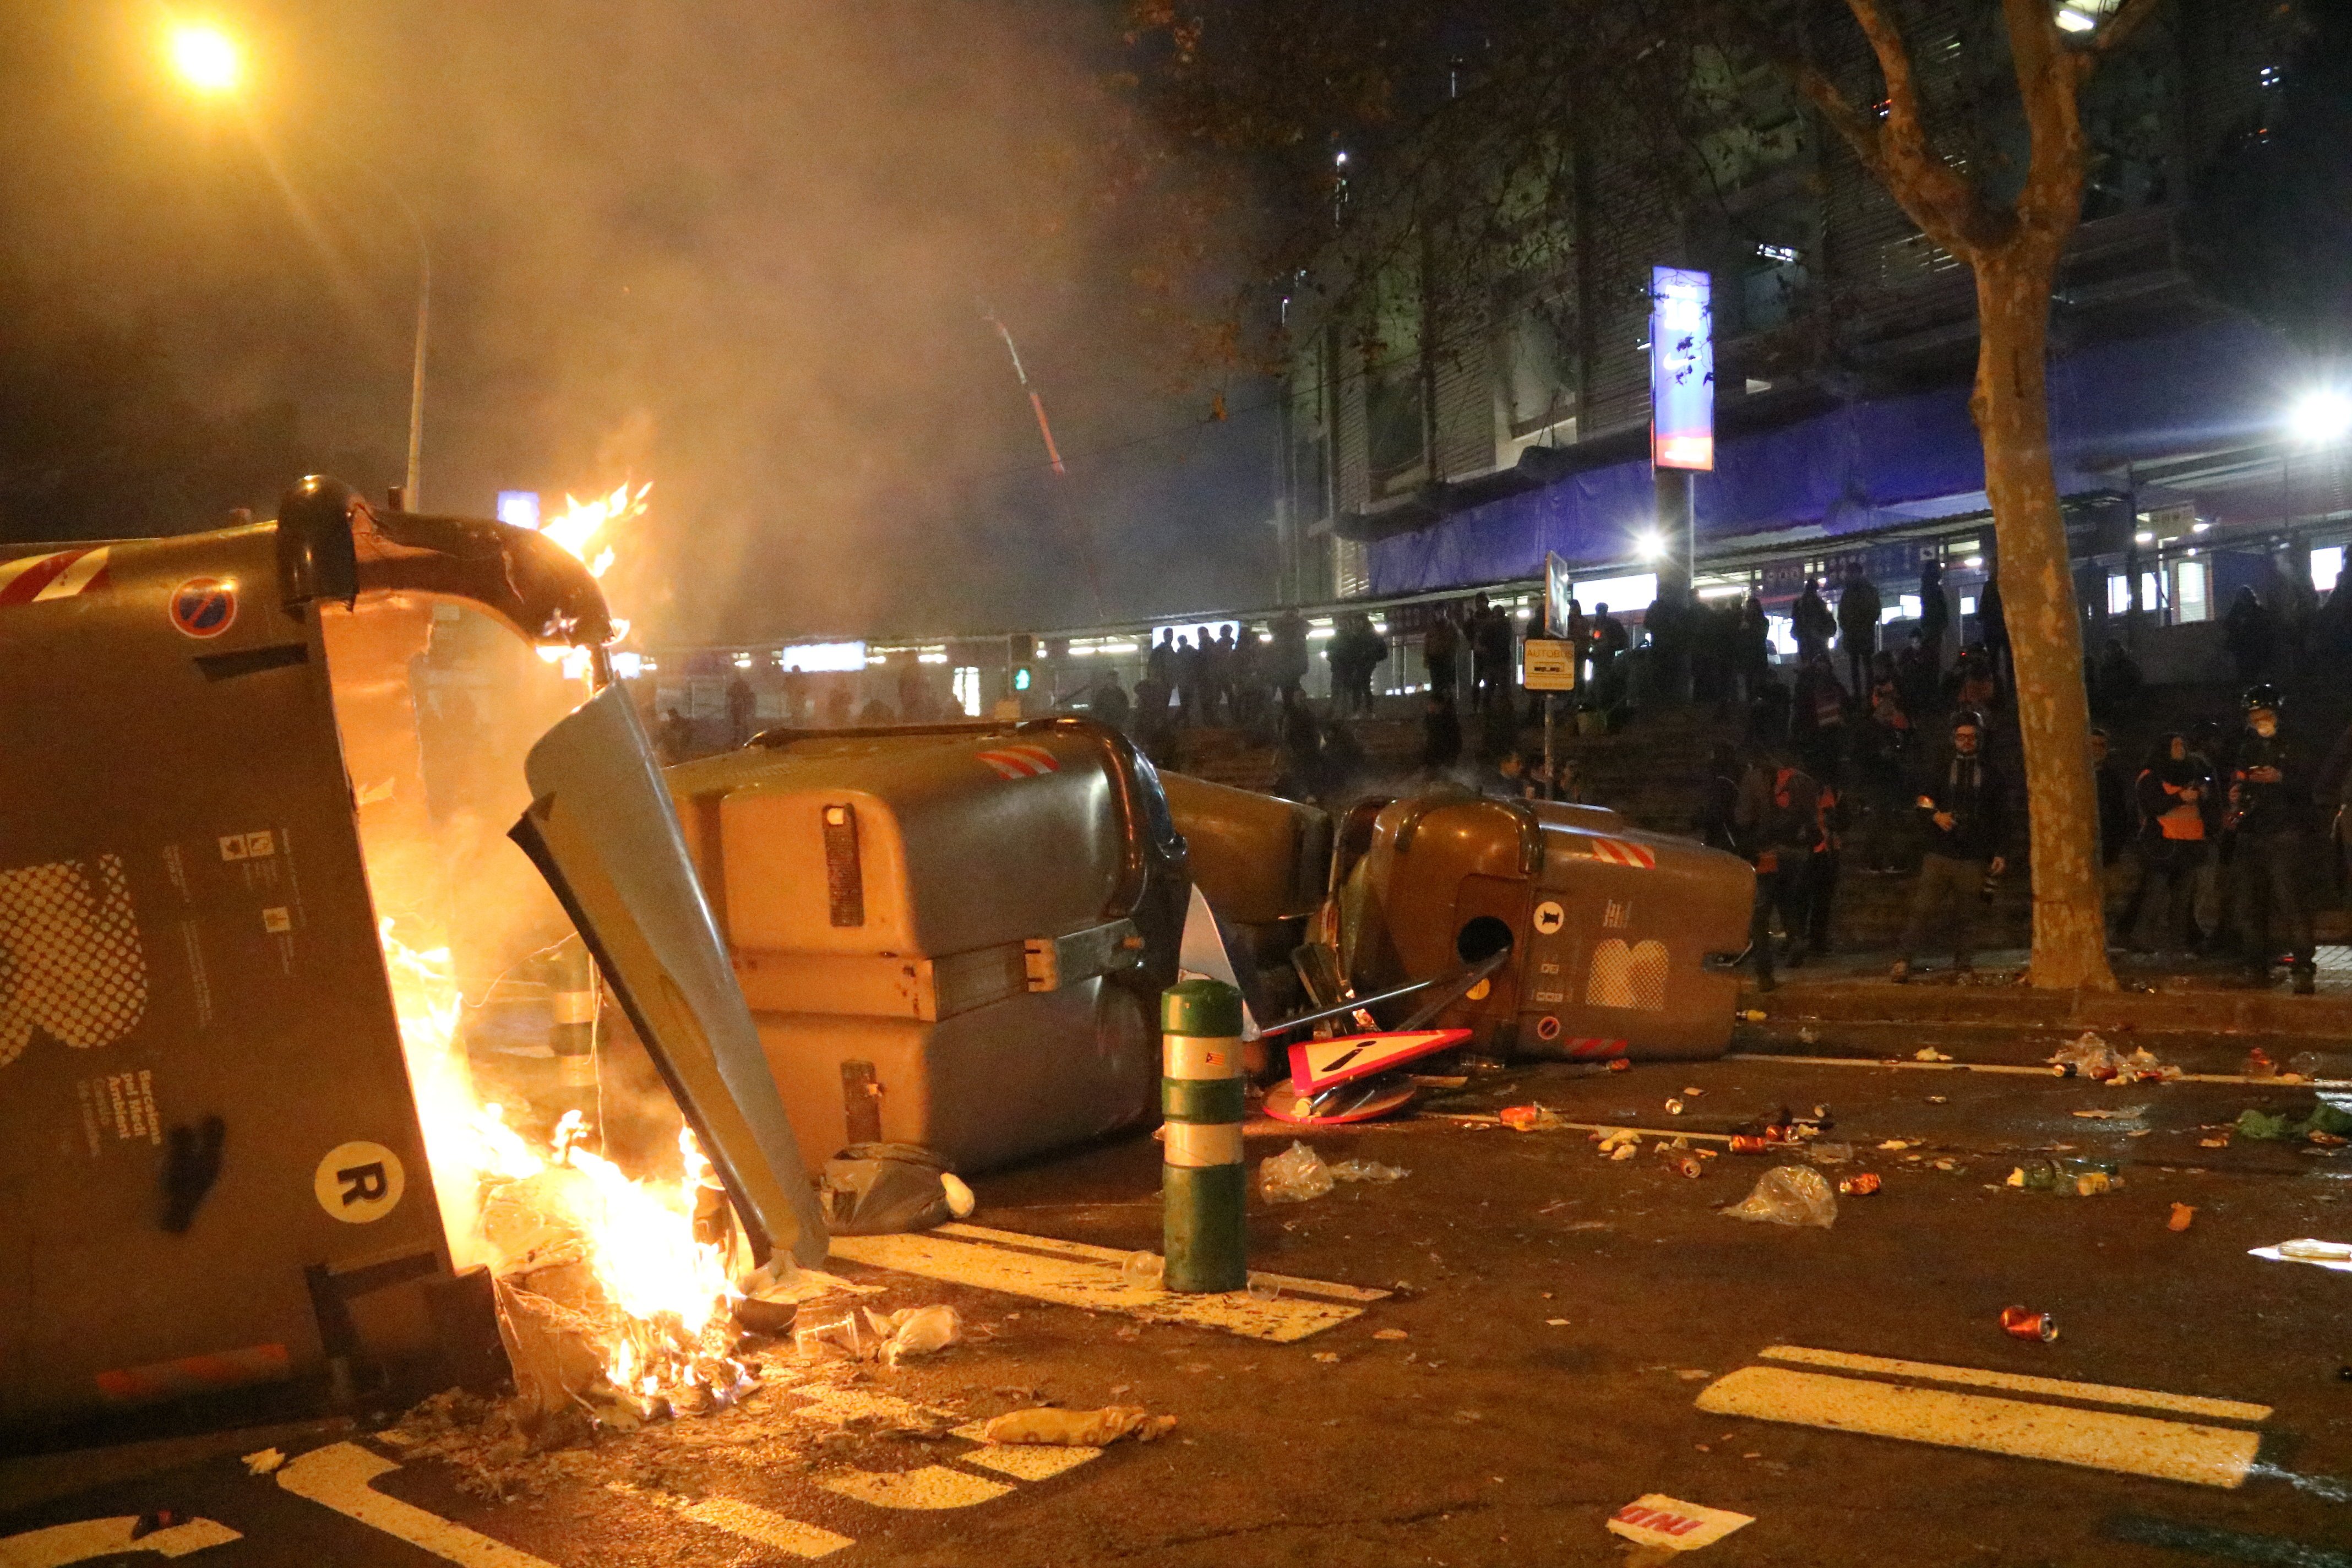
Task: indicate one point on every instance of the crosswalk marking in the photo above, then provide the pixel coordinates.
(1021, 1461)
(337, 1477)
(2129, 1444)
(1091, 1284)
(746, 1519)
(1324, 1289)
(84, 1538)
(1978, 1377)
(930, 1486)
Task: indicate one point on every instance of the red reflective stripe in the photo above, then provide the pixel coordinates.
(36, 573)
(1045, 759)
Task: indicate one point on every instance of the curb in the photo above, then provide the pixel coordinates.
(2145, 1012)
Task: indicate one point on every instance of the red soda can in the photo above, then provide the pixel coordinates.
(1749, 1143)
(1861, 1185)
(2021, 1324)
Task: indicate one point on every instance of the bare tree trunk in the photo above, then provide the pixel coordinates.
(2037, 588)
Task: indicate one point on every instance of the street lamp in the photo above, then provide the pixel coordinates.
(208, 60)
(2321, 417)
(1650, 544)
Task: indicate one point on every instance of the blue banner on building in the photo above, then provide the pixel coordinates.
(1682, 370)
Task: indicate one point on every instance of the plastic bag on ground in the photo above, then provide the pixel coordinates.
(1293, 1176)
(915, 1330)
(881, 1189)
(1788, 1195)
(1365, 1170)
(2088, 1055)
(1078, 1428)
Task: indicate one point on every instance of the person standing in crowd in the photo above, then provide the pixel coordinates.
(839, 702)
(2250, 635)
(2269, 801)
(741, 704)
(1473, 629)
(1812, 622)
(1821, 871)
(1108, 702)
(914, 701)
(1778, 818)
(1718, 815)
(1935, 621)
(1302, 749)
(1857, 619)
(796, 695)
(1188, 676)
(1212, 676)
(1441, 732)
(1882, 754)
(1992, 630)
(1916, 677)
(1219, 667)
(1818, 724)
(1578, 632)
(2114, 802)
(1754, 660)
(1249, 680)
(1965, 801)
(1287, 669)
(1371, 652)
(1609, 642)
(1159, 664)
(2115, 691)
(2174, 797)
(1441, 649)
(1493, 647)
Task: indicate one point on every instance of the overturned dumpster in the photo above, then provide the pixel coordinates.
(227, 1156)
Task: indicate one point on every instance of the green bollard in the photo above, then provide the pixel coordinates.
(1203, 1182)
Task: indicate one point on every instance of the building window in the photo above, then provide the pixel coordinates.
(2151, 592)
(2326, 566)
(2118, 594)
(966, 686)
(2193, 603)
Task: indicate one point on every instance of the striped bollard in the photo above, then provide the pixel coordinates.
(1203, 1183)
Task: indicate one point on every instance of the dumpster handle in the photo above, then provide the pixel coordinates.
(1530, 828)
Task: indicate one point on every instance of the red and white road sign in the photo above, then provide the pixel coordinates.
(1317, 1065)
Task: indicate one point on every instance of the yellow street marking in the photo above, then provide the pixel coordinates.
(932, 1486)
(2011, 1070)
(743, 1518)
(84, 1538)
(1090, 1285)
(2129, 1444)
(1021, 1461)
(337, 1477)
(2090, 1393)
(1290, 1282)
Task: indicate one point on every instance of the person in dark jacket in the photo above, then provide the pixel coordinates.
(2269, 805)
(2114, 802)
(1965, 801)
(1441, 732)
(1778, 818)
(1811, 623)
(1822, 871)
(1992, 630)
(1857, 619)
(1935, 621)
(1719, 814)
(2174, 794)
(1440, 649)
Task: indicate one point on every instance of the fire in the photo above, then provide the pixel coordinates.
(582, 524)
(657, 1318)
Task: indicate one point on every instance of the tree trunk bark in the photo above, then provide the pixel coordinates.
(2037, 587)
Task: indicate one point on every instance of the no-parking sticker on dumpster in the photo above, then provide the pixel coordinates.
(204, 606)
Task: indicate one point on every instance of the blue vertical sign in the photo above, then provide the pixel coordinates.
(1682, 370)
(519, 509)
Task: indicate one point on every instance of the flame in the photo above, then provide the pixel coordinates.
(667, 1291)
(581, 524)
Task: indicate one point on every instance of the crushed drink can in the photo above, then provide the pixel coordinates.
(1619, 1064)
(2021, 1324)
(1688, 1165)
(1861, 1185)
(1750, 1143)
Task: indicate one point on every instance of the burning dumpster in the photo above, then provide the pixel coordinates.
(951, 936)
(237, 1144)
(1621, 942)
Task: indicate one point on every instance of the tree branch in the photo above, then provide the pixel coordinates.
(2112, 36)
(2051, 202)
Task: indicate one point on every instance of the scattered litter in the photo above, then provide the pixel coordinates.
(2325, 1125)
(2220, 1142)
(1861, 1185)
(1389, 1335)
(1555, 1323)
(1365, 1170)
(1752, 1015)
(1689, 1093)
(1078, 1428)
(882, 1189)
(1293, 1176)
(1788, 1195)
(1656, 1519)
(2259, 1064)
(1688, 1165)
(2336, 1255)
(2021, 1323)
(1619, 1064)
(1939, 1100)
(1262, 1289)
(1673, 1108)
(1893, 1145)
(1829, 1153)
(1144, 1268)
(2120, 1113)
(915, 1330)
(2088, 1055)
(1530, 1118)
(1328, 1358)
(2084, 1178)
(961, 1200)
(1929, 1054)
(1613, 1139)
(1625, 1151)
(1945, 1165)
(264, 1462)
(2183, 1216)
(1692, 1374)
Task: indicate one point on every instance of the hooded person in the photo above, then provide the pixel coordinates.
(2269, 803)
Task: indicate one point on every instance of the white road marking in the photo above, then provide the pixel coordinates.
(2011, 1068)
(746, 1519)
(84, 1538)
(1021, 1461)
(930, 1486)
(1324, 1288)
(337, 1477)
(1095, 1286)
(2018, 1383)
(2128, 1444)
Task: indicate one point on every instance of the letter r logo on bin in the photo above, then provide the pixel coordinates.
(359, 1183)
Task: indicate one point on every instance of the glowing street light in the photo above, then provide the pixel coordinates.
(205, 58)
(2321, 417)
(1650, 544)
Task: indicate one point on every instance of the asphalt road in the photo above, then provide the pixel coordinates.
(1560, 1316)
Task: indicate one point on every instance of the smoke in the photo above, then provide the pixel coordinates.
(741, 250)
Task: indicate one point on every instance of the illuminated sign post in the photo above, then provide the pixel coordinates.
(1682, 371)
(519, 509)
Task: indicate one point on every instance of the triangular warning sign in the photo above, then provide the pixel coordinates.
(1317, 1065)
